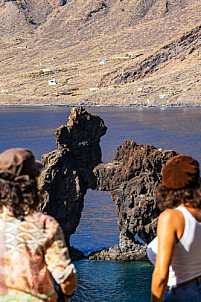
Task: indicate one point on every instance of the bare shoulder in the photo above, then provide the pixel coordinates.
(170, 214)
(171, 220)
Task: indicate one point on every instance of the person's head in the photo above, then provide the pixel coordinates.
(18, 181)
(180, 183)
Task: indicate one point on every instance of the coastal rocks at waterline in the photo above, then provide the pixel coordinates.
(131, 177)
(115, 253)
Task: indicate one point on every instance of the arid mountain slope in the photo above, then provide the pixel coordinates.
(178, 50)
(18, 16)
(114, 24)
(138, 44)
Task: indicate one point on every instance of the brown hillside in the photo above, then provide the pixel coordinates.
(177, 50)
(151, 49)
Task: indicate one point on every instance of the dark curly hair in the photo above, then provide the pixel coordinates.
(169, 198)
(21, 196)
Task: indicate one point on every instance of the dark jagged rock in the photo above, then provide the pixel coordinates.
(65, 178)
(64, 190)
(75, 254)
(82, 136)
(115, 253)
(132, 178)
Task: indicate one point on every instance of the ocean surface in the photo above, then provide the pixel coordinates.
(168, 128)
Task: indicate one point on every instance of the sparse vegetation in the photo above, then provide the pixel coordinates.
(44, 72)
(19, 40)
(20, 4)
(30, 20)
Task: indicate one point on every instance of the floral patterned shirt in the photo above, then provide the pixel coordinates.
(31, 252)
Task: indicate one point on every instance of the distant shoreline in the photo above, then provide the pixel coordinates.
(131, 106)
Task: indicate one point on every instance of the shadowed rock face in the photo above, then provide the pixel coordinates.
(132, 178)
(82, 136)
(64, 190)
(65, 178)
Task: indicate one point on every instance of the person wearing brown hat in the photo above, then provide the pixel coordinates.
(175, 251)
(32, 246)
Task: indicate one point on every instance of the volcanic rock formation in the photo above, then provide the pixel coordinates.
(132, 178)
(65, 178)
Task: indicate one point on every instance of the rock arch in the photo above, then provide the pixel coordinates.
(76, 166)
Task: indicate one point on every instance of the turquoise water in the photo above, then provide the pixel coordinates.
(173, 128)
(113, 281)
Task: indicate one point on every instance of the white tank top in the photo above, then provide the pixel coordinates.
(186, 261)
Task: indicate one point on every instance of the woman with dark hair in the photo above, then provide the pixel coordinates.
(175, 251)
(32, 246)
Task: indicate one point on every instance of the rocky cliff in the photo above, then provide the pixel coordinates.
(132, 178)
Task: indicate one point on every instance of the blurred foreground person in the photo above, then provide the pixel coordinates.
(32, 246)
(175, 251)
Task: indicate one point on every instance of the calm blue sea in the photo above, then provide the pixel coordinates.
(173, 128)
